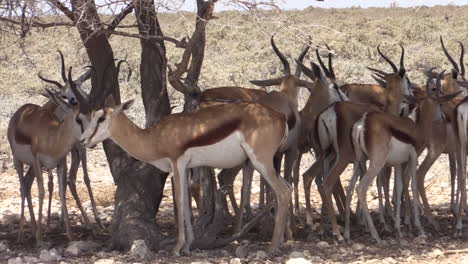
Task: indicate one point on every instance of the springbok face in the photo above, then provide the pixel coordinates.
(64, 90)
(100, 124)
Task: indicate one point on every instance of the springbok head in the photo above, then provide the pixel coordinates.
(65, 90)
(288, 79)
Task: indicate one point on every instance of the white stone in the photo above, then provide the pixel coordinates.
(322, 244)
(298, 261)
(358, 246)
(140, 250)
(16, 260)
(49, 255)
(76, 248)
(235, 261)
(104, 261)
(3, 246)
(241, 252)
(30, 260)
(261, 254)
(296, 254)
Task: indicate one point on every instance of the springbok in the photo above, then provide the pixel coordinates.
(386, 139)
(78, 153)
(221, 136)
(37, 138)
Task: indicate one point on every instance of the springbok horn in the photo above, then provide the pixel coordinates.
(454, 64)
(327, 73)
(462, 65)
(301, 59)
(84, 105)
(287, 68)
(62, 60)
(50, 81)
(394, 67)
(330, 66)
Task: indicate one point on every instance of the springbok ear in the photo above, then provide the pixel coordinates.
(409, 99)
(109, 102)
(124, 106)
(446, 98)
(316, 70)
(270, 82)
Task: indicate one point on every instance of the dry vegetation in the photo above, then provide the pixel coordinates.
(238, 50)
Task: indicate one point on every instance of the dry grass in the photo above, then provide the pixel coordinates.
(238, 50)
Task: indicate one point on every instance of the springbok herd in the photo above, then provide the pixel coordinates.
(233, 128)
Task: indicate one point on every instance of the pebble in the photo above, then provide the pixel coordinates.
(298, 261)
(76, 248)
(436, 253)
(140, 250)
(241, 252)
(235, 261)
(296, 254)
(322, 244)
(3, 247)
(16, 260)
(104, 261)
(49, 255)
(30, 260)
(420, 240)
(358, 246)
(389, 260)
(261, 254)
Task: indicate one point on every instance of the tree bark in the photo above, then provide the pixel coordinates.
(139, 186)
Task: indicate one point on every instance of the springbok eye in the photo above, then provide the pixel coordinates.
(101, 119)
(78, 120)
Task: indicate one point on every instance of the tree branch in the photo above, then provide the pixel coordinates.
(38, 24)
(63, 8)
(179, 43)
(117, 19)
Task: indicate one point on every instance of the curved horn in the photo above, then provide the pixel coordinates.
(462, 65)
(395, 69)
(430, 73)
(301, 59)
(50, 81)
(130, 69)
(454, 64)
(330, 66)
(402, 58)
(327, 73)
(287, 68)
(62, 60)
(84, 105)
(439, 82)
(377, 71)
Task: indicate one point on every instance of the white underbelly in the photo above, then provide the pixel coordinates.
(23, 153)
(399, 152)
(162, 164)
(226, 153)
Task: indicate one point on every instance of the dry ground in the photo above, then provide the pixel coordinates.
(237, 51)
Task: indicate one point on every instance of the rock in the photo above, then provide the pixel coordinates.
(296, 254)
(104, 261)
(200, 262)
(406, 252)
(63, 262)
(16, 260)
(322, 244)
(76, 248)
(261, 254)
(389, 260)
(306, 253)
(436, 253)
(242, 252)
(298, 261)
(224, 253)
(30, 260)
(49, 255)
(419, 240)
(3, 247)
(404, 242)
(140, 250)
(235, 261)
(358, 246)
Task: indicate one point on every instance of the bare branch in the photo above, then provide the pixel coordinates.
(117, 19)
(36, 23)
(63, 8)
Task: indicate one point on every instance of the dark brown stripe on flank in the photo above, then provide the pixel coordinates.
(402, 136)
(21, 138)
(215, 135)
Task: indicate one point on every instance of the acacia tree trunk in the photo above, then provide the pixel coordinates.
(140, 185)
